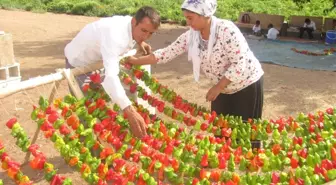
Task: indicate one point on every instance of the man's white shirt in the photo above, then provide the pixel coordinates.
(106, 39)
(272, 33)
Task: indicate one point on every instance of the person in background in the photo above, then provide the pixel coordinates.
(106, 40)
(218, 47)
(257, 28)
(309, 27)
(272, 32)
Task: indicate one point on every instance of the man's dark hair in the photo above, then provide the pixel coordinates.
(334, 20)
(257, 22)
(270, 26)
(307, 21)
(151, 13)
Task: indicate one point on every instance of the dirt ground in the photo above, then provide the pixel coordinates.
(39, 40)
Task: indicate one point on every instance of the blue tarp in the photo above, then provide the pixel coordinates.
(280, 53)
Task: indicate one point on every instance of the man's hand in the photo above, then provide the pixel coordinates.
(136, 122)
(145, 48)
(131, 60)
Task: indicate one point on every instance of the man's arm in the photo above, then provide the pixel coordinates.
(113, 86)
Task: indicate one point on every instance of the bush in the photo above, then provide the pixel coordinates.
(60, 7)
(171, 9)
(89, 8)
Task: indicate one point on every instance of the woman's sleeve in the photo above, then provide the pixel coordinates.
(236, 49)
(175, 49)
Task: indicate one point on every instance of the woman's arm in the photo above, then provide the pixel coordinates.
(164, 55)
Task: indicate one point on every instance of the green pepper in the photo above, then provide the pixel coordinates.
(234, 134)
(65, 150)
(243, 179)
(145, 161)
(178, 152)
(315, 179)
(198, 125)
(276, 135)
(253, 180)
(34, 113)
(298, 172)
(81, 112)
(43, 102)
(67, 181)
(137, 145)
(329, 146)
(58, 123)
(48, 176)
(307, 180)
(310, 160)
(231, 163)
(59, 143)
(242, 164)
(94, 163)
(225, 176)
(213, 160)
(331, 174)
(283, 177)
(151, 181)
(157, 165)
(86, 132)
(169, 173)
(266, 167)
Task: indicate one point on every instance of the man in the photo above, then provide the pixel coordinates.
(107, 39)
(309, 27)
(257, 28)
(272, 32)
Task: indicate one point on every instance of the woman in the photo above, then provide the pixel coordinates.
(217, 47)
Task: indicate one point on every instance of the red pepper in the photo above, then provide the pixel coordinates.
(317, 170)
(195, 181)
(95, 78)
(169, 149)
(226, 132)
(100, 103)
(275, 178)
(136, 157)
(119, 163)
(303, 153)
(294, 163)
(222, 162)
(98, 128)
(300, 181)
(128, 153)
(141, 181)
(101, 182)
(131, 171)
(150, 169)
(276, 149)
(11, 122)
(204, 161)
(203, 174)
(53, 117)
(312, 128)
(330, 111)
(175, 164)
(333, 154)
(292, 181)
(64, 130)
(326, 164)
(215, 175)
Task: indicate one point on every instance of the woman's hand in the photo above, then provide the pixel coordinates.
(213, 93)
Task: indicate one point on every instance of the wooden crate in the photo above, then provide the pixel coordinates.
(7, 51)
